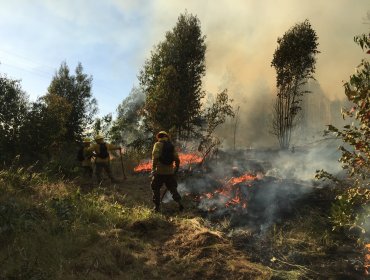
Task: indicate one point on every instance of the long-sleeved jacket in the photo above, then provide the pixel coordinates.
(157, 166)
(96, 148)
(87, 153)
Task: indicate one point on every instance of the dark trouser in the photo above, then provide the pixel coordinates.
(171, 185)
(87, 171)
(99, 169)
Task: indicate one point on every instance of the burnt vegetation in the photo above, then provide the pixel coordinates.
(251, 213)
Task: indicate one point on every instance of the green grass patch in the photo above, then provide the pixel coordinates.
(50, 230)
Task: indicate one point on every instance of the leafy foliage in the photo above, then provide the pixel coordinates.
(76, 89)
(353, 203)
(45, 126)
(103, 125)
(294, 61)
(215, 115)
(174, 72)
(161, 108)
(44, 129)
(350, 209)
(13, 110)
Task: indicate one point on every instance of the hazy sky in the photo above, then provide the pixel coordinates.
(112, 39)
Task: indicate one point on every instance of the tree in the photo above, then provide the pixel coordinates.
(294, 61)
(45, 126)
(13, 109)
(162, 108)
(355, 151)
(76, 89)
(103, 125)
(214, 116)
(175, 72)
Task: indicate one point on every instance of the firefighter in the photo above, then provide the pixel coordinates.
(85, 158)
(163, 171)
(102, 157)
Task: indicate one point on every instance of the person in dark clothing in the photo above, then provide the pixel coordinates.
(163, 170)
(86, 161)
(102, 157)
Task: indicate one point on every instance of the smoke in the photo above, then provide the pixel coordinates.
(278, 181)
(303, 163)
(241, 36)
(254, 120)
(241, 39)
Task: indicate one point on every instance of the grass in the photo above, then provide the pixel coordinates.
(304, 246)
(53, 230)
(56, 230)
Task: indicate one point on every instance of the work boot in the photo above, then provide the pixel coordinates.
(181, 207)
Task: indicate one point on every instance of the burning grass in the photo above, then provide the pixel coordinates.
(231, 194)
(186, 161)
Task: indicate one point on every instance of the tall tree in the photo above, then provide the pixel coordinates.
(162, 107)
(45, 126)
(76, 90)
(294, 61)
(13, 109)
(175, 72)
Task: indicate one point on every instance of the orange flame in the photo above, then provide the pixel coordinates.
(231, 193)
(245, 177)
(144, 167)
(189, 158)
(185, 159)
(367, 259)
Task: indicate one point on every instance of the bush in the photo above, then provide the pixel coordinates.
(353, 200)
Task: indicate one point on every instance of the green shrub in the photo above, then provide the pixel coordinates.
(353, 200)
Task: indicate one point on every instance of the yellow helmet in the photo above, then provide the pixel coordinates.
(86, 140)
(99, 136)
(162, 134)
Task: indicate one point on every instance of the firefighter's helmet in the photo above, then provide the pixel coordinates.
(162, 134)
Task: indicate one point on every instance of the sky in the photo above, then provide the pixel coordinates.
(113, 38)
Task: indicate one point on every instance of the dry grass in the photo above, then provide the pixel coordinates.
(54, 230)
(205, 254)
(58, 230)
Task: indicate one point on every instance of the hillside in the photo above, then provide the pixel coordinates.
(59, 230)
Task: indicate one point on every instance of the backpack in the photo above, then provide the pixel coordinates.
(80, 154)
(103, 151)
(166, 156)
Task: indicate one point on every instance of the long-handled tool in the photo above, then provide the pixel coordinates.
(123, 169)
